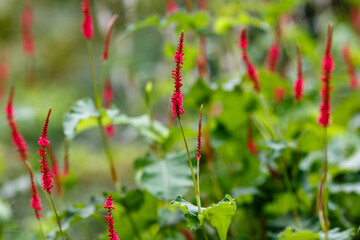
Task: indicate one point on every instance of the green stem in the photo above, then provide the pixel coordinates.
(268, 116)
(41, 230)
(294, 199)
(102, 82)
(57, 217)
(109, 156)
(191, 168)
(93, 74)
(323, 192)
(133, 224)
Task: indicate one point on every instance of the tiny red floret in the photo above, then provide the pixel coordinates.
(177, 98)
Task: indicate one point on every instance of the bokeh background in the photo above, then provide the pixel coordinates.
(143, 43)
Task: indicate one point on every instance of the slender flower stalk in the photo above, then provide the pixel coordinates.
(353, 81)
(108, 97)
(328, 67)
(299, 83)
(105, 54)
(109, 204)
(87, 31)
(251, 146)
(251, 71)
(45, 170)
(20, 146)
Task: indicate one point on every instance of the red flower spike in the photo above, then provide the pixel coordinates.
(109, 205)
(171, 6)
(273, 56)
(251, 71)
(353, 83)
(198, 152)
(45, 170)
(4, 72)
(26, 22)
(35, 201)
(108, 94)
(328, 67)
(87, 26)
(17, 139)
(105, 54)
(177, 98)
(249, 138)
(279, 93)
(299, 83)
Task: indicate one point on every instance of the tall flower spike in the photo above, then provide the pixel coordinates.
(353, 83)
(109, 204)
(105, 54)
(198, 152)
(26, 22)
(177, 98)
(87, 26)
(328, 67)
(273, 54)
(35, 201)
(249, 138)
(45, 170)
(17, 139)
(251, 71)
(299, 83)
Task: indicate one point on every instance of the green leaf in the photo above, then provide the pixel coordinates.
(131, 200)
(289, 234)
(218, 215)
(84, 115)
(164, 178)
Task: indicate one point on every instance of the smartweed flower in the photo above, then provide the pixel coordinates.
(299, 83)
(109, 204)
(87, 26)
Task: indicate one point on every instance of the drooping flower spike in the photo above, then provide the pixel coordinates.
(327, 68)
(35, 201)
(177, 98)
(87, 26)
(105, 54)
(45, 170)
(353, 83)
(251, 71)
(26, 22)
(109, 204)
(17, 139)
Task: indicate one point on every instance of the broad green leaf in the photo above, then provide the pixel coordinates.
(164, 178)
(84, 115)
(219, 215)
(289, 234)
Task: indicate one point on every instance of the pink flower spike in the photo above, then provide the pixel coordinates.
(251, 71)
(109, 205)
(249, 138)
(353, 83)
(17, 139)
(87, 26)
(26, 22)
(299, 83)
(108, 94)
(35, 201)
(273, 56)
(105, 54)
(328, 67)
(45, 170)
(177, 98)
(198, 152)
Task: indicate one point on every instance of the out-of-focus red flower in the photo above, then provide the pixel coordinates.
(26, 23)
(249, 138)
(279, 94)
(353, 83)
(328, 67)
(87, 25)
(251, 71)
(299, 82)
(171, 6)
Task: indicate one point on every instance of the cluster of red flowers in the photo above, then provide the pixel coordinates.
(328, 67)
(44, 142)
(251, 71)
(177, 98)
(109, 204)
